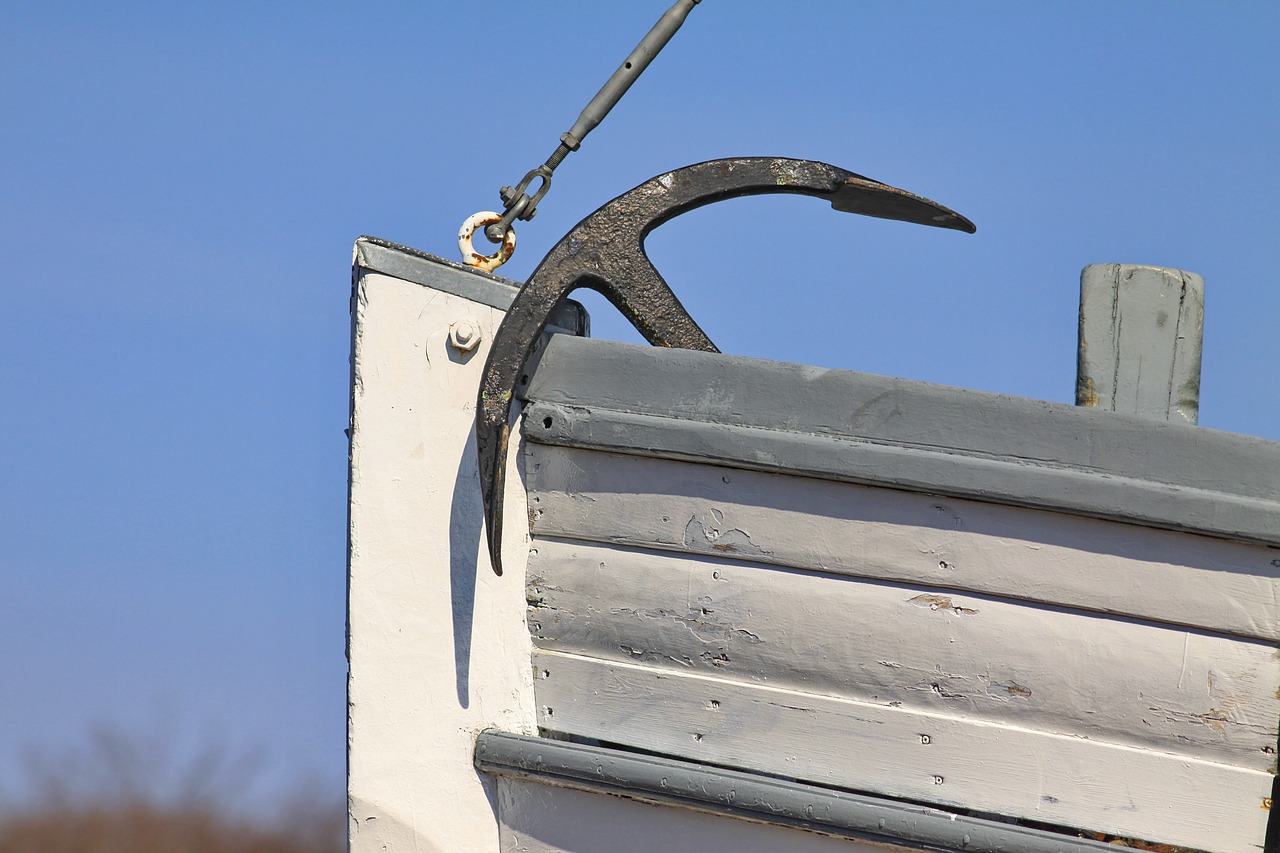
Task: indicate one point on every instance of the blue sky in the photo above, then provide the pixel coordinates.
(180, 186)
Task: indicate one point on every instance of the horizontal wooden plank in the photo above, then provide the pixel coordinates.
(905, 753)
(1071, 672)
(887, 534)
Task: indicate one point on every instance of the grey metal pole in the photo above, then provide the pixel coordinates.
(518, 203)
(630, 69)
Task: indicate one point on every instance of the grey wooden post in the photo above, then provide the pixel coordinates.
(1141, 332)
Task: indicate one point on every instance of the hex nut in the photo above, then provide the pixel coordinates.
(464, 335)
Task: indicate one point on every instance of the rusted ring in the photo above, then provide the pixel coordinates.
(470, 256)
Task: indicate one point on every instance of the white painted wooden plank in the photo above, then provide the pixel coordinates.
(1070, 672)
(1141, 329)
(545, 819)
(1056, 779)
(1034, 555)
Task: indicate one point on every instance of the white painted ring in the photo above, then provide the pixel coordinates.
(470, 256)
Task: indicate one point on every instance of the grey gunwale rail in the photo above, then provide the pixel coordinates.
(666, 781)
(897, 433)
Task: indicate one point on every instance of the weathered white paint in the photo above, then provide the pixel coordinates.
(1058, 779)
(1034, 555)
(1141, 329)
(545, 819)
(423, 681)
(1066, 671)
(1080, 672)
(440, 650)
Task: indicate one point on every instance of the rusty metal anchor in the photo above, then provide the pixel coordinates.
(605, 252)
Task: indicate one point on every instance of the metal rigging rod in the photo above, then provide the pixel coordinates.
(517, 203)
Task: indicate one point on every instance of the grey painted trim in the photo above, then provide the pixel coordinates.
(913, 469)
(666, 781)
(901, 434)
(383, 256)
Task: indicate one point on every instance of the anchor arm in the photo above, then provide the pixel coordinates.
(605, 252)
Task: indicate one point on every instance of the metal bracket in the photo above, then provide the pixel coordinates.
(605, 252)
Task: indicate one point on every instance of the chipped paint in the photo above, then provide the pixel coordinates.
(1002, 690)
(940, 602)
(1216, 719)
(710, 532)
(641, 655)
(695, 619)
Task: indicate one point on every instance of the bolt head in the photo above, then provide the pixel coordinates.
(464, 335)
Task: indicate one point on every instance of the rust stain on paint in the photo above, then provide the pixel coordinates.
(1087, 394)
